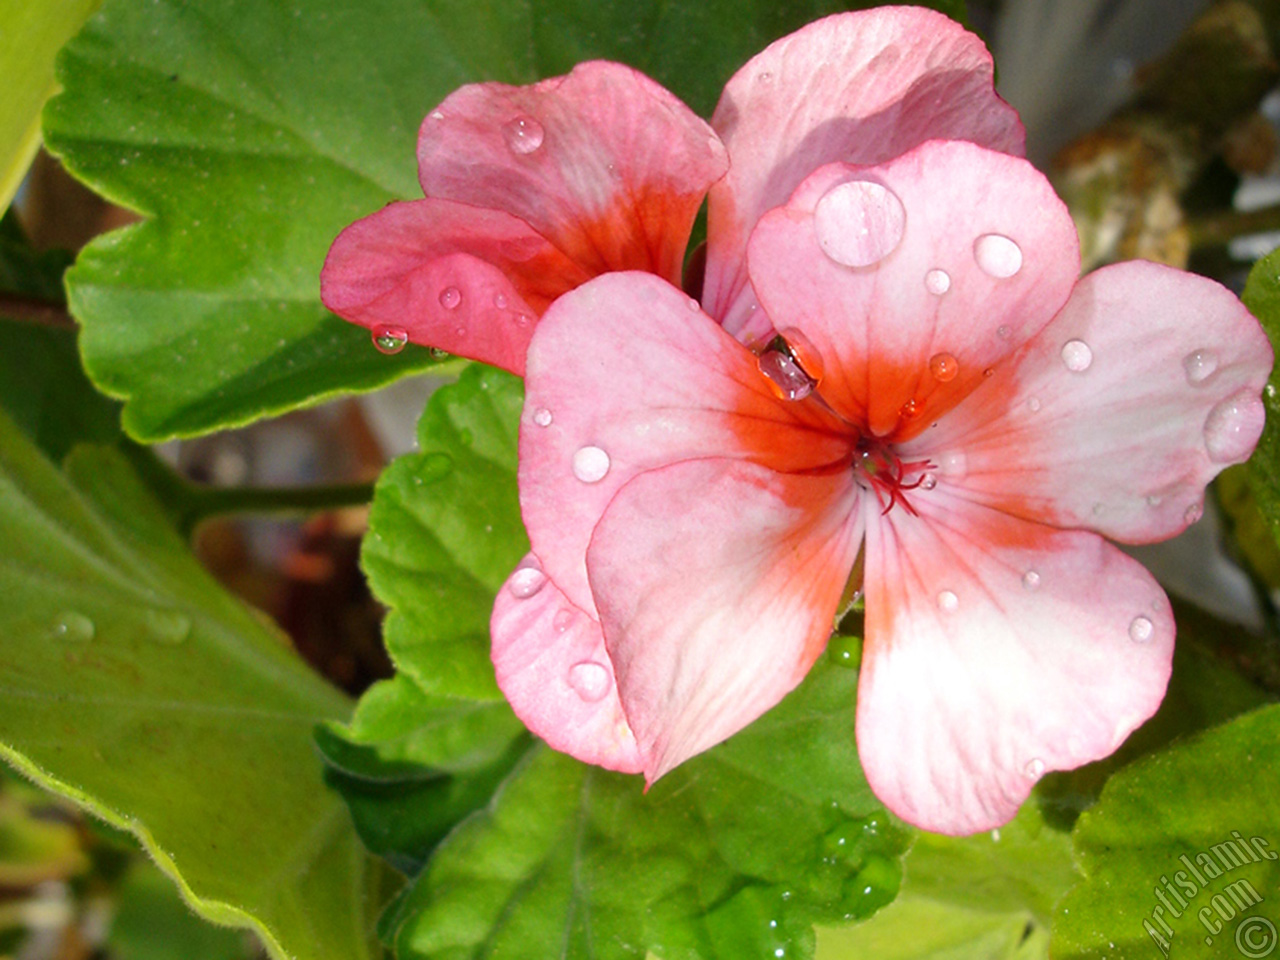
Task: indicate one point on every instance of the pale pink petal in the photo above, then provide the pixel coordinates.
(1115, 417)
(857, 88)
(469, 281)
(604, 163)
(915, 278)
(552, 666)
(626, 374)
(717, 582)
(997, 650)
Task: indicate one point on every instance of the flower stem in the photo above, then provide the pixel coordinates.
(1218, 229)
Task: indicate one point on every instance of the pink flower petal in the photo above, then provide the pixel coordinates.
(463, 279)
(1114, 418)
(914, 278)
(997, 650)
(604, 163)
(552, 666)
(626, 374)
(857, 88)
(717, 582)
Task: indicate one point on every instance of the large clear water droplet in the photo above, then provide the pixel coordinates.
(1034, 768)
(786, 376)
(859, 223)
(590, 464)
(937, 282)
(1233, 427)
(948, 602)
(997, 255)
(944, 367)
(527, 579)
(450, 297)
(389, 339)
(73, 626)
(167, 626)
(1077, 356)
(524, 135)
(1199, 366)
(590, 680)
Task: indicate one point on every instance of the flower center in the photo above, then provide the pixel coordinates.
(878, 468)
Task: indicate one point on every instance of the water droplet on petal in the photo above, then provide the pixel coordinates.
(527, 580)
(788, 380)
(1034, 768)
(764, 76)
(693, 305)
(1077, 356)
(1233, 427)
(804, 352)
(590, 464)
(523, 135)
(1034, 404)
(70, 625)
(928, 481)
(562, 620)
(944, 367)
(1141, 630)
(948, 602)
(521, 319)
(166, 626)
(997, 255)
(1193, 513)
(937, 282)
(1199, 366)
(859, 223)
(389, 339)
(590, 680)
(450, 297)
(437, 115)
(542, 417)
(1031, 580)
(953, 464)
(1003, 332)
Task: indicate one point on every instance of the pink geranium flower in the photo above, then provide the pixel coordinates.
(949, 403)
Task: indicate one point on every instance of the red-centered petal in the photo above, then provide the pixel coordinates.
(856, 88)
(460, 278)
(997, 650)
(717, 582)
(1114, 418)
(603, 162)
(914, 278)
(552, 666)
(626, 374)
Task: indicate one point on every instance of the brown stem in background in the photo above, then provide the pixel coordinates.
(45, 313)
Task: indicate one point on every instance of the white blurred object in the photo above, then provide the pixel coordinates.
(1066, 64)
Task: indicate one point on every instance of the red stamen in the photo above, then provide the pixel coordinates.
(884, 472)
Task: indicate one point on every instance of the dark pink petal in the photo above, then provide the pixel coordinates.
(717, 582)
(552, 666)
(858, 88)
(914, 278)
(997, 650)
(1115, 417)
(604, 163)
(463, 279)
(626, 374)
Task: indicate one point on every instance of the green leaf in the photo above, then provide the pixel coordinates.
(251, 133)
(445, 532)
(1262, 297)
(152, 923)
(1170, 857)
(989, 895)
(30, 35)
(411, 765)
(735, 854)
(134, 685)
